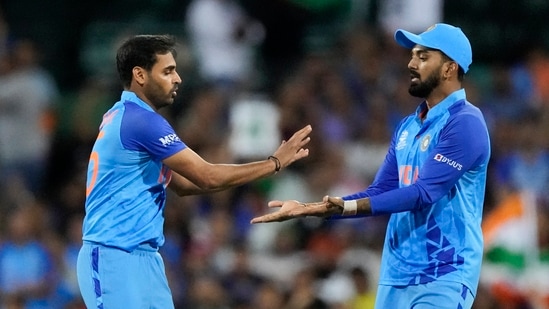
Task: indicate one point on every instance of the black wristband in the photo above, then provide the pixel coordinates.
(276, 161)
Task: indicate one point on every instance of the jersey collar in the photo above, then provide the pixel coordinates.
(441, 107)
(132, 97)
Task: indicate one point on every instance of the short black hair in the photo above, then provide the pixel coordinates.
(141, 50)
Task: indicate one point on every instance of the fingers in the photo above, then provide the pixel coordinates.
(258, 220)
(304, 142)
(291, 150)
(275, 203)
(306, 130)
(274, 217)
(288, 209)
(336, 200)
(302, 134)
(302, 153)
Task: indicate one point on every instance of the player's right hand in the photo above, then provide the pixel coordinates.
(292, 150)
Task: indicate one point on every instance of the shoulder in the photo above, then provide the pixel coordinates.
(406, 121)
(466, 117)
(464, 108)
(144, 129)
(133, 111)
(137, 119)
(467, 126)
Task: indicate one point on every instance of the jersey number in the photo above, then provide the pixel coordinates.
(94, 162)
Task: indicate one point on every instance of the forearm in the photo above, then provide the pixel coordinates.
(183, 187)
(364, 207)
(223, 176)
(218, 177)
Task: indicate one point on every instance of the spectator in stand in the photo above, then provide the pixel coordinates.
(364, 297)
(27, 96)
(27, 272)
(224, 38)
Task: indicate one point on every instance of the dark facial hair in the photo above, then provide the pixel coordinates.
(424, 89)
(157, 97)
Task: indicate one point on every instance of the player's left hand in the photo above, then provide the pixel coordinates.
(291, 209)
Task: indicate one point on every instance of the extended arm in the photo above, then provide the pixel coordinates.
(194, 175)
(330, 206)
(463, 142)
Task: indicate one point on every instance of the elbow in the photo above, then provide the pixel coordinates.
(206, 184)
(179, 192)
(209, 181)
(183, 186)
(425, 198)
(429, 197)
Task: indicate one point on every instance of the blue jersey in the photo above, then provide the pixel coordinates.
(433, 183)
(126, 181)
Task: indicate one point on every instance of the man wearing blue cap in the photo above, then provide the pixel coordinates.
(432, 182)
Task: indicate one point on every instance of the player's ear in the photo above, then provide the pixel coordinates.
(450, 67)
(139, 75)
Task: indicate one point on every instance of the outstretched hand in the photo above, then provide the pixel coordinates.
(292, 150)
(291, 209)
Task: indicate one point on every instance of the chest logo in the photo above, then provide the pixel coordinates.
(425, 141)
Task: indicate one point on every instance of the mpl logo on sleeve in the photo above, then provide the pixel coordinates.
(440, 158)
(169, 139)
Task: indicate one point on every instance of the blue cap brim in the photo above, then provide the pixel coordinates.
(408, 39)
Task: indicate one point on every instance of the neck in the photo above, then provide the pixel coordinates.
(440, 93)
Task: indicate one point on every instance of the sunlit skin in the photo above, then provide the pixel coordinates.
(433, 76)
(157, 87)
(422, 85)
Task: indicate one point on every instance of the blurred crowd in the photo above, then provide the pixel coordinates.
(237, 104)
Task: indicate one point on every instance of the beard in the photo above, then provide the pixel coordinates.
(158, 96)
(424, 89)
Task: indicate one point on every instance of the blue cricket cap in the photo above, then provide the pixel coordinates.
(446, 38)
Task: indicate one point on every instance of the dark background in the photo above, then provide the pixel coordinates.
(499, 30)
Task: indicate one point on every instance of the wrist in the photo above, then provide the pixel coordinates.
(277, 163)
(350, 208)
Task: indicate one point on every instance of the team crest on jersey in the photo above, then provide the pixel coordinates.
(425, 141)
(402, 140)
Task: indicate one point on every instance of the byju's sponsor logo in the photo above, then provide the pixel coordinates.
(440, 158)
(169, 139)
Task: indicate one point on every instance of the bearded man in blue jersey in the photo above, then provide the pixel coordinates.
(136, 156)
(432, 183)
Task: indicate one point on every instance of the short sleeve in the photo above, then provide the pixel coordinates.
(144, 130)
